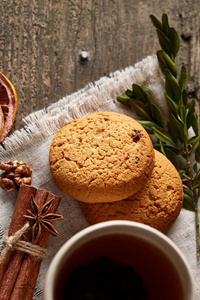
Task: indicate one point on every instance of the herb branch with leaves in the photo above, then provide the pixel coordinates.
(172, 136)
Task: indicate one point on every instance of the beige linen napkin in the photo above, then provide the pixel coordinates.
(31, 145)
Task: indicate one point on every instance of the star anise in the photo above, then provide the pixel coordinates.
(42, 217)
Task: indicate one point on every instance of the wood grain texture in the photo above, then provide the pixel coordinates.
(41, 42)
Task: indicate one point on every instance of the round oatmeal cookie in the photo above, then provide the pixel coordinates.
(103, 156)
(157, 204)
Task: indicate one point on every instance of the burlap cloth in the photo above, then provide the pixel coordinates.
(31, 145)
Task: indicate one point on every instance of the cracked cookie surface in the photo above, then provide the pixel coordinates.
(157, 204)
(103, 156)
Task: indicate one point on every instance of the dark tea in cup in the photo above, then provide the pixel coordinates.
(156, 275)
(119, 260)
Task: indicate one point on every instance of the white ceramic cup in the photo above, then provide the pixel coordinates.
(107, 238)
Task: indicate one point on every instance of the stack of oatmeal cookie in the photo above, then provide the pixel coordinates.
(106, 161)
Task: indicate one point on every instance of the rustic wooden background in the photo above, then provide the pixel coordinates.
(41, 42)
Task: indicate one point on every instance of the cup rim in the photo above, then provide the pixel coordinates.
(135, 229)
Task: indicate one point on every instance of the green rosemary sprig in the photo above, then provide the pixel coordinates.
(172, 135)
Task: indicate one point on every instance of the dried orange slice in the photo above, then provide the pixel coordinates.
(1, 121)
(8, 106)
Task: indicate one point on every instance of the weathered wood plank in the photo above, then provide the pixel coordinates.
(40, 43)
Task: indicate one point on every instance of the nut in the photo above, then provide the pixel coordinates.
(7, 184)
(15, 174)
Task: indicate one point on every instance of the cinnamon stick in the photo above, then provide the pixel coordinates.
(21, 271)
(23, 203)
(27, 277)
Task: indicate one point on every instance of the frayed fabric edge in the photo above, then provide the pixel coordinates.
(93, 97)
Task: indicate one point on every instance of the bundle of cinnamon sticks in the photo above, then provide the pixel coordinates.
(19, 270)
